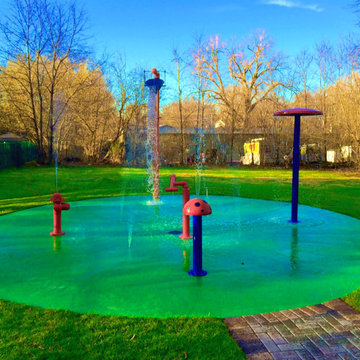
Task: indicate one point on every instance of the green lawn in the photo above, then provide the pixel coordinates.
(30, 332)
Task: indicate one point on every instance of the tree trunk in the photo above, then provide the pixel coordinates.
(51, 128)
(180, 113)
(232, 137)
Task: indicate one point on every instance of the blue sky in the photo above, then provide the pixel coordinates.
(146, 31)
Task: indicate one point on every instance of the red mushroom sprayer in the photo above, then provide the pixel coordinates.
(59, 205)
(197, 208)
(186, 196)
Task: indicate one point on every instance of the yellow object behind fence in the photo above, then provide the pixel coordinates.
(252, 147)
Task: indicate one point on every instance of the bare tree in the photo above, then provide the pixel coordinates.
(252, 67)
(128, 89)
(200, 91)
(325, 62)
(347, 58)
(302, 66)
(179, 61)
(41, 36)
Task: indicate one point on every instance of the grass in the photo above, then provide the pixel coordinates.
(29, 186)
(34, 333)
(31, 332)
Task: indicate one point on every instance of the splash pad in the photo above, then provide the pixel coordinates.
(120, 257)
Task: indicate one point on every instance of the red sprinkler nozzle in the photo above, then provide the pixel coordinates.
(59, 205)
(156, 73)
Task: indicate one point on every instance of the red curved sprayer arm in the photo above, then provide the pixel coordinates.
(172, 186)
(186, 197)
(184, 184)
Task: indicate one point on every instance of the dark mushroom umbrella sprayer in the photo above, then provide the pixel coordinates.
(197, 208)
(297, 113)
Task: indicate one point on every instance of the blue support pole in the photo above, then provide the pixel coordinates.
(197, 248)
(296, 164)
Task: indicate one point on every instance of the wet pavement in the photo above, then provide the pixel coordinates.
(326, 331)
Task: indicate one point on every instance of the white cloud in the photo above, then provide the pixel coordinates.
(294, 4)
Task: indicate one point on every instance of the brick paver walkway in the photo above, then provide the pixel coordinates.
(326, 331)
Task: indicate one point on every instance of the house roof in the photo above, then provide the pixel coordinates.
(11, 137)
(168, 129)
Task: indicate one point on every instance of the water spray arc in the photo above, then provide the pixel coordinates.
(153, 132)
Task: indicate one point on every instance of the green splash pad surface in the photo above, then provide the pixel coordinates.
(118, 257)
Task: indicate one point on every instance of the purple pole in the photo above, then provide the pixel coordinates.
(197, 208)
(297, 113)
(295, 168)
(197, 248)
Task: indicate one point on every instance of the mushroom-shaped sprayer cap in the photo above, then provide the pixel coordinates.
(197, 207)
(57, 198)
(298, 111)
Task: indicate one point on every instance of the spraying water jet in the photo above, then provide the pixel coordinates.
(153, 133)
